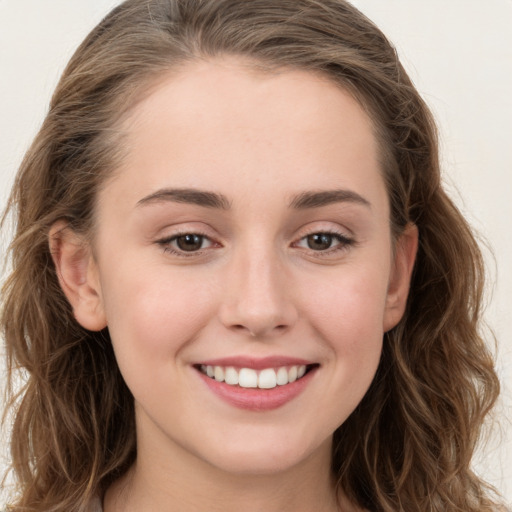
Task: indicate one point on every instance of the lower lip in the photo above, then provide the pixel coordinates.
(255, 399)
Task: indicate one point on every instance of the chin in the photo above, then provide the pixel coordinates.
(266, 458)
(256, 464)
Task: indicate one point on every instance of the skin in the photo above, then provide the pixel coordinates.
(255, 287)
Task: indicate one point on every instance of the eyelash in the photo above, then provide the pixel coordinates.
(165, 243)
(344, 242)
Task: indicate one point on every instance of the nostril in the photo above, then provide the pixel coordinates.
(259, 331)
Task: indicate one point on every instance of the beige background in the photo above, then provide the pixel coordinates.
(458, 52)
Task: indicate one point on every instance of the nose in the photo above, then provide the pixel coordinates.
(258, 297)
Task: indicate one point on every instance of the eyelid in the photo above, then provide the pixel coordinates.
(340, 238)
(345, 241)
(166, 242)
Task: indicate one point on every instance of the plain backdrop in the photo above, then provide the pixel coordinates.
(459, 54)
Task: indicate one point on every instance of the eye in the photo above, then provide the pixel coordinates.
(320, 241)
(185, 243)
(189, 242)
(324, 241)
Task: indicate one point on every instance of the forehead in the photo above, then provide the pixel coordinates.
(215, 123)
(212, 89)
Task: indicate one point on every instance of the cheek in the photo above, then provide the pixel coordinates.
(153, 313)
(348, 312)
(354, 300)
(151, 318)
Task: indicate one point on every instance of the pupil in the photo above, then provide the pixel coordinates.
(319, 241)
(189, 242)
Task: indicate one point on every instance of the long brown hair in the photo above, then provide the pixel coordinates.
(408, 445)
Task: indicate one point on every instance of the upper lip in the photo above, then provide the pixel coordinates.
(256, 363)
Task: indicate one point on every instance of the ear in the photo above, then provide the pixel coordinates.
(400, 278)
(78, 275)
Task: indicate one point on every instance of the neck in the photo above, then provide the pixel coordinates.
(182, 482)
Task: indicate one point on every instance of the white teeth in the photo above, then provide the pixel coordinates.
(218, 373)
(248, 378)
(282, 376)
(231, 376)
(267, 379)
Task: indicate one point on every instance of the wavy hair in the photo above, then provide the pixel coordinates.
(408, 445)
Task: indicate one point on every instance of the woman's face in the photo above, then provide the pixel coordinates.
(246, 236)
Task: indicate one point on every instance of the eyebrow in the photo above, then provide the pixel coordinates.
(321, 198)
(189, 196)
(302, 201)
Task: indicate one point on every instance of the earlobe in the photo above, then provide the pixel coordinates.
(78, 275)
(400, 278)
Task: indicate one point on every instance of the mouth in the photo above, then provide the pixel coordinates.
(257, 384)
(250, 378)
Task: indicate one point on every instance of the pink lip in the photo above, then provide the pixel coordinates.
(255, 399)
(256, 363)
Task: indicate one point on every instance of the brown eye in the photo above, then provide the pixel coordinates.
(190, 242)
(186, 244)
(320, 241)
(325, 243)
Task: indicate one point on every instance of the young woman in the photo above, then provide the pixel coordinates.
(237, 281)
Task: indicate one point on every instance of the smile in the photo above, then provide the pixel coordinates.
(257, 384)
(266, 378)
